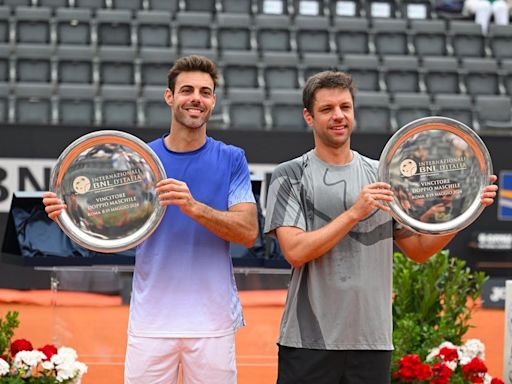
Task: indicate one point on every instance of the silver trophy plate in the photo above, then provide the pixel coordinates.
(437, 168)
(107, 179)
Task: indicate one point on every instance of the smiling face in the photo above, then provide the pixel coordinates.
(193, 99)
(332, 117)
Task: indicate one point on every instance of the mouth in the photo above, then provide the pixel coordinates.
(194, 111)
(339, 128)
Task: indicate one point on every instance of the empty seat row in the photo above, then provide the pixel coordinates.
(378, 112)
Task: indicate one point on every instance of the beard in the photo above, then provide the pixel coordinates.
(190, 122)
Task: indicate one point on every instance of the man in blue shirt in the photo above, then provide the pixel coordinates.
(185, 307)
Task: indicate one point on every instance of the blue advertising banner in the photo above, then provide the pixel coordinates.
(505, 196)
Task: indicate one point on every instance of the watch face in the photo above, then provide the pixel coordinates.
(81, 184)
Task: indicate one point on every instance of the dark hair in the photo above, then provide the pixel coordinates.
(192, 63)
(326, 79)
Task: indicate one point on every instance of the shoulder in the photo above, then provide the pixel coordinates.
(292, 168)
(367, 163)
(225, 149)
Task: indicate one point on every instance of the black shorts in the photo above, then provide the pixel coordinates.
(313, 366)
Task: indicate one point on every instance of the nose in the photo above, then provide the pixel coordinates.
(338, 114)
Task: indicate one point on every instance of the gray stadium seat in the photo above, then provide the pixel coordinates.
(4, 103)
(240, 69)
(351, 35)
(272, 7)
(500, 37)
(132, 5)
(116, 65)
(506, 68)
(416, 9)
(346, 8)
(114, 27)
(153, 28)
(53, 3)
(401, 73)
(236, 6)
(33, 103)
(234, 32)
(5, 13)
(286, 110)
(380, 8)
(199, 5)
(246, 109)
(372, 112)
(390, 36)
(467, 39)
(410, 106)
(5, 55)
(193, 29)
(457, 107)
(118, 105)
(76, 104)
(157, 114)
(90, 4)
(280, 70)
(480, 76)
(165, 5)
(429, 37)
(309, 7)
(317, 62)
(493, 112)
(73, 26)
(312, 33)
(273, 32)
(17, 3)
(364, 70)
(75, 64)
(32, 25)
(33, 63)
(154, 64)
(441, 75)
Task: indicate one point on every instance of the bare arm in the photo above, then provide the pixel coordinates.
(420, 247)
(239, 224)
(300, 247)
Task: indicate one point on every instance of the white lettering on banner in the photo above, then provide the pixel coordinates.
(23, 175)
(34, 175)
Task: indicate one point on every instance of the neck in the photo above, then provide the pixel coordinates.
(335, 156)
(182, 139)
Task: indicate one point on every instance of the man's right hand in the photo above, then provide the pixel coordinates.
(372, 196)
(53, 205)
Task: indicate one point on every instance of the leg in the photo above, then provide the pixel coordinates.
(209, 360)
(151, 360)
(500, 11)
(367, 367)
(306, 366)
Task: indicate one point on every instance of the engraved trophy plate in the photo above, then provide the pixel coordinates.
(437, 168)
(107, 179)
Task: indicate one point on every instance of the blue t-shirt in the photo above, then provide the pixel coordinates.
(183, 282)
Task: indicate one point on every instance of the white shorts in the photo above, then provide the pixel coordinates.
(209, 360)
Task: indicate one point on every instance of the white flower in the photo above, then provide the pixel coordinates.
(471, 349)
(451, 364)
(67, 354)
(47, 365)
(81, 368)
(4, 367)
(28, 359)
(65, 371)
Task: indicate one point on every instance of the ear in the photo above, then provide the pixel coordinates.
(168, 97)
(308, 117)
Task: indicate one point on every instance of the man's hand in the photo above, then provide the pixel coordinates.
(489, 192)
(53, 205)
(372, 196)
(175, 192)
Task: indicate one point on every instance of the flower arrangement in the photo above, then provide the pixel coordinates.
(447, 364)
(20, 363)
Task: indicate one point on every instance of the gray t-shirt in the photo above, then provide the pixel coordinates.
(342, 300)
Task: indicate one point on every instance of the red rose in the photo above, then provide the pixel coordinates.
(20, 345)
(448, 354)
(496, 381)
(475, 370)
(440, 380)
(49, 350)
(411, 369)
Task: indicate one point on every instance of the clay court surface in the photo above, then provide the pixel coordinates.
(95, 325)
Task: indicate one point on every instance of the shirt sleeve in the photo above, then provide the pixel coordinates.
(240, 188)
(284, 203)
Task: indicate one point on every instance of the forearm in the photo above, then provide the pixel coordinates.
(238, 226)
(420, 247)
(300, 247)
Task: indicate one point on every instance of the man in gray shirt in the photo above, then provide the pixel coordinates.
(328, 212)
